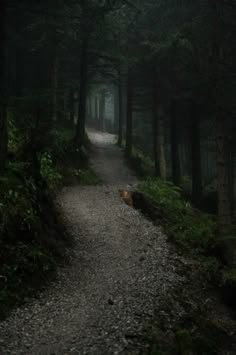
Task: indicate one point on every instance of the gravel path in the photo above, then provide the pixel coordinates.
(121, 270)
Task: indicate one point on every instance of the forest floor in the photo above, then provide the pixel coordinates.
(123, 275)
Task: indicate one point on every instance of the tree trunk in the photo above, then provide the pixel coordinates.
(97, 113)
(76, 107)
(234, 170)
(158, 151)
(196, 156)
(161, 145)
(55, 89)
(89, 105)
(80, 128)
(120, 124)
(115, 123)
(222, 136)
(3, 87)
(176, 174)
(155, 135)
(232, 154)
(102, 112)
(234, 191)
(129, 118)
(66, 100)
(223, 181)
(93, 100)
(71, 105)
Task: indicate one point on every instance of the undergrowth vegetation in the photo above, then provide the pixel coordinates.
(86, 176)
(28, 247)
(141, 163)
(191, 228)
(32, 237)
(195, 233)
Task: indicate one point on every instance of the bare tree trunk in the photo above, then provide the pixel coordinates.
(76, 107)
(234, 173)
(71, 105)
(196, 156)
(90, 114)
(129, 118)
(80, 128)
(55, 89)
(176, 174)
(232, 153)
(158, 130)
(161, 144)
(223, 181)
(66, 99)
(3, 87)
(234, 192)
(97, 114)
(120, 128)
(115, 126)
(155, 126)
(222, 136)
(102, 111)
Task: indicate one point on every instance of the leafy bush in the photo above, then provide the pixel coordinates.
(189, 227)
(49, 171)
(31, 236)
(61, 142)
(18, 199)
(25, 252)
(14, 136)
(26, 264)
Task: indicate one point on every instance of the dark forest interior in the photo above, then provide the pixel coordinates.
(157, 79)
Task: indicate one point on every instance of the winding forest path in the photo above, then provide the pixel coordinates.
(121, 271)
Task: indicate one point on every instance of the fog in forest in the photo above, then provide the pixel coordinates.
(118, 177)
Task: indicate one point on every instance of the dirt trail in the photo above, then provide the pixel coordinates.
(121, 270)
